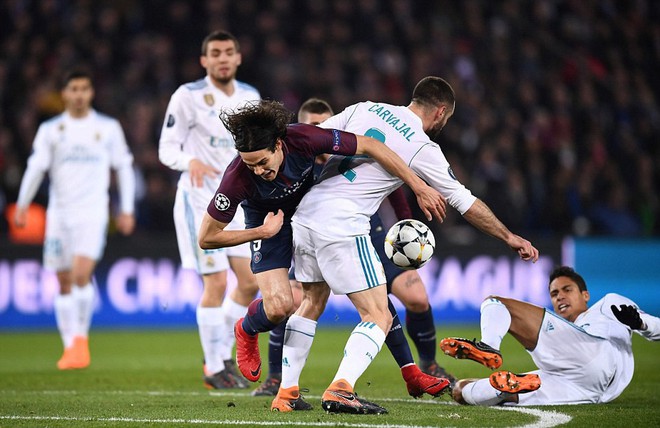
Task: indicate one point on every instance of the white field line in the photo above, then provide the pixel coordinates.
(546, 418)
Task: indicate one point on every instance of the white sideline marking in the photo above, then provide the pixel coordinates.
(211, 422)
(546, 418)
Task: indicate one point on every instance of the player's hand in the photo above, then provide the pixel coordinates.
(20, 217)
(629, 316)
(126, 223)
(198, 169)
(523, 247)
(432, 203)
(272, 224)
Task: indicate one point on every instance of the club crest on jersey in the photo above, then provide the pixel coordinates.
(170, 120)
(221, 202)
(208, 99)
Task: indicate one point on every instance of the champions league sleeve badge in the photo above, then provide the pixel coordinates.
(221, 202)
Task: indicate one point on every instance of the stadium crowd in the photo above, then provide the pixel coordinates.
(557, 123)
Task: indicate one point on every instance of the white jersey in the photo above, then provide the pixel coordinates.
(78, 154)
(193, 130)
(350, 189)
(588, 361)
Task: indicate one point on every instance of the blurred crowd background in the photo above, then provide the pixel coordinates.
(557, 123)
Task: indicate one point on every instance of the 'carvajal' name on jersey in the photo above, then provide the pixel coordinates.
(392, 120)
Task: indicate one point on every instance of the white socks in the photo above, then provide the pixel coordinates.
(65, 316)
(481, 393)
(362, 346)
(298, 338)
(495, 322)
(84, 302)
(211, 325)
(233, 312)
(73, 313)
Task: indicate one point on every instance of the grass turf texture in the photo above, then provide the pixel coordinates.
(153, 378)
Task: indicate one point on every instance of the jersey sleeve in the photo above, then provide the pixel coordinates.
(432, 166)
(313, 140)
(179, 118)
(122, 162)
(399, 203)
(38, 164)
(234, 188)
(652, 331)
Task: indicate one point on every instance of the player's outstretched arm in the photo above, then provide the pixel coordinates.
(212, 234)
(431, 202)
(481, 217)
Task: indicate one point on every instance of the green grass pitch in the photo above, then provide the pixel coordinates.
(153, 378)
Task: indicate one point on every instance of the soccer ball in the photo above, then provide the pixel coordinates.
(409, 244)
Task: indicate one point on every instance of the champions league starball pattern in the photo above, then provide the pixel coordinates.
(409, 244)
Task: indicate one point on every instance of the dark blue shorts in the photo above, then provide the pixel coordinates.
(271, 253)
(378, 233)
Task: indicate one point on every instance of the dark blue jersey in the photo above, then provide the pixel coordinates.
(296, 175)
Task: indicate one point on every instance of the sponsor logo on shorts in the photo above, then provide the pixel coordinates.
(221, 202)
(170, 120)
(256, 257)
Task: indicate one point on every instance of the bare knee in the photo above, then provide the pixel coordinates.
(278, 307)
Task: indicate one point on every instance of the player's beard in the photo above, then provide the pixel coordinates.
(434, 132)
(223, 79)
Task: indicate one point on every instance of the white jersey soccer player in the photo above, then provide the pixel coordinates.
(583, 354)
(77, 149)
(192, 130)
(331, 230)
(195, 142)
(589, 360)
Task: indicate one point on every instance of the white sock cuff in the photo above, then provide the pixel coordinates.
(85, 292)
(232, 309)
(209, 316)
(301, 324)
(490, 301)
(466, 392)
(63, 300)
(372, 331)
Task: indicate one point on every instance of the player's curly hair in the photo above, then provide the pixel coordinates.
(257, 126)
(568, 272)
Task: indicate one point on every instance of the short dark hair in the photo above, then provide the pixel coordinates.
(568, 272)
(432, 91)
(258, 125)
(314, 106)
(76, 73)
(219, 35)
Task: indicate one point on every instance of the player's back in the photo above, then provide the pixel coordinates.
(350, 189)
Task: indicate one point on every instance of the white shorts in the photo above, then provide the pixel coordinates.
(347, 265)
(574, 366)
(68, 236)
(188, 214)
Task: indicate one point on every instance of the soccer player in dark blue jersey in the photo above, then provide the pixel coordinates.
(273, 171)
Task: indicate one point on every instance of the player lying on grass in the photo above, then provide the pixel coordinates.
(584, 355)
